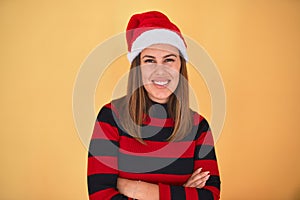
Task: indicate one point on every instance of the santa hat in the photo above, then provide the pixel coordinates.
(146, 29)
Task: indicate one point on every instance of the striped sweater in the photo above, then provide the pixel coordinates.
(114, 153)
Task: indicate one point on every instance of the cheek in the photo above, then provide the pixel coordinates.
(175, 74)
(176, 79)
(147, 88)
(145, 75)
(175, 70)
(178, 74)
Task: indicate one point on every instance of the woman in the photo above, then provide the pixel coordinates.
(150, 144)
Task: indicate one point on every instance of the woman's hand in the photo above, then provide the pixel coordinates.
(127, 187)
(138, 189)
(142, 190)
(198, 179)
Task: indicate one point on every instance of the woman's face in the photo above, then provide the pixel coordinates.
(160, 66)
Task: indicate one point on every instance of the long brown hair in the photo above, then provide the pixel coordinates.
(137, 104)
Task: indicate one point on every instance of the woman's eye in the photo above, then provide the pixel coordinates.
(149, 61)
(169, 60)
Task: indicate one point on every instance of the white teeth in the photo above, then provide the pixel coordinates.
(161, 82)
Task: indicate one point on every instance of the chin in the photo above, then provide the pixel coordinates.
(162, 98)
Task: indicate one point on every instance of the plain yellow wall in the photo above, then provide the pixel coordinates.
(255, 44)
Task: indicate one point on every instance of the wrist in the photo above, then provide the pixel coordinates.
(146, 191)
(135, 193)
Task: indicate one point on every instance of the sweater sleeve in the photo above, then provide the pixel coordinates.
(102, 168)
(205, 158)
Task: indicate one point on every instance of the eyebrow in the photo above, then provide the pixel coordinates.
(169, 55)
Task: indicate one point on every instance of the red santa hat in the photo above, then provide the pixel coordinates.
(146, 29)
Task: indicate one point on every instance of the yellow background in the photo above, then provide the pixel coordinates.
(255, 44)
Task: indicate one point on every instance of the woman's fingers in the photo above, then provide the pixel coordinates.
(200, 183)
(198, 179)
(195, 174)
(197, 182)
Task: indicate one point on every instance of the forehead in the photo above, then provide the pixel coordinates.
(160, 50)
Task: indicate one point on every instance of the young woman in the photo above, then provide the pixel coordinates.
(150, 144)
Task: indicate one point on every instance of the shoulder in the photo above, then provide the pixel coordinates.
(198, 119)
(200, 124)
(111, 110)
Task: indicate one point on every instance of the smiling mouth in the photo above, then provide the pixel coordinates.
(161, 83)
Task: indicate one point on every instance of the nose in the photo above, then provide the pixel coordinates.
(161, 69)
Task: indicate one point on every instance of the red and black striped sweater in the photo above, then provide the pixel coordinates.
(113, 153)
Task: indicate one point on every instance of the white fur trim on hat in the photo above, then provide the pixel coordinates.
(156, 36)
